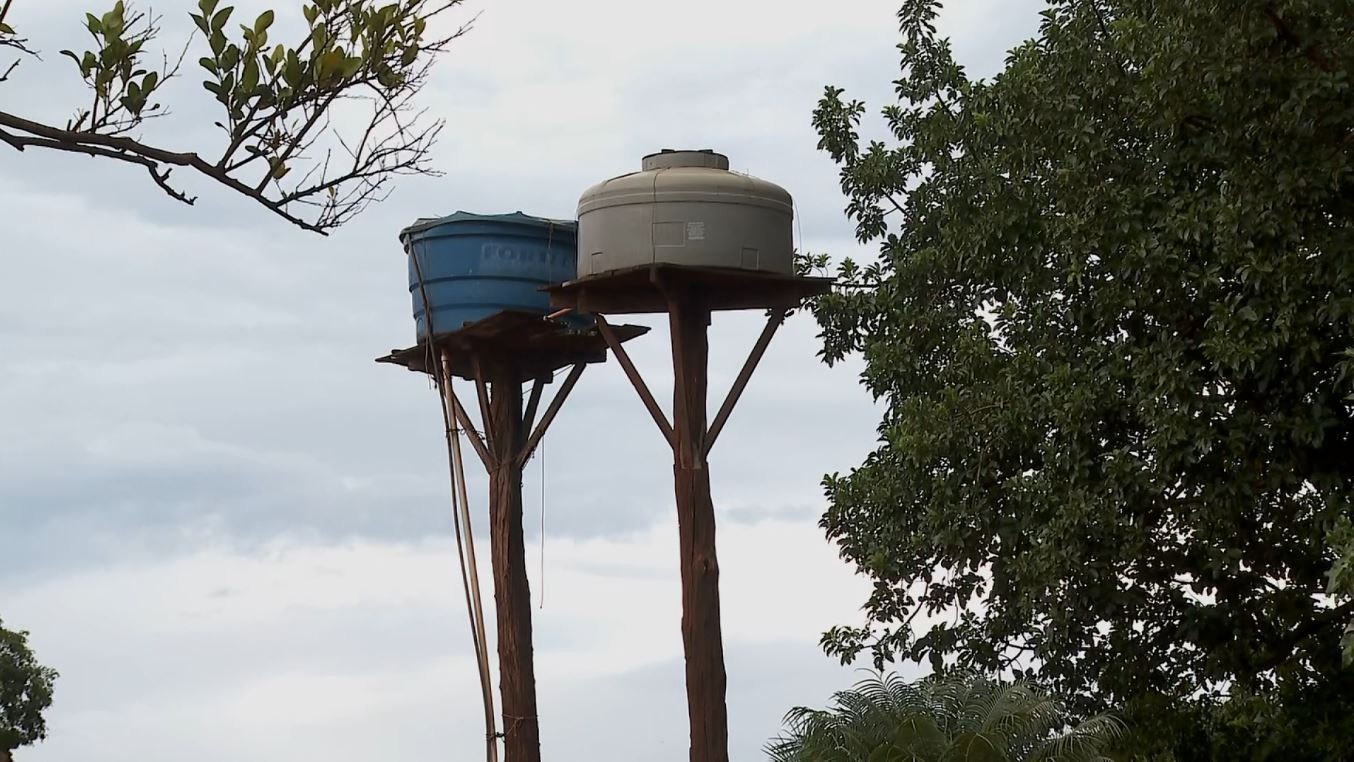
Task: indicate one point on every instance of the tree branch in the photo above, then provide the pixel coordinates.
(1287, 34)
(1284, 648)
(130, 151)
(278, 102)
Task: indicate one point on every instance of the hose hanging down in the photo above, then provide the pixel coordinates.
(465, 551)
(439, 367)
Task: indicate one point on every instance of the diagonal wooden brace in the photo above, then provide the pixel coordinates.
(476, 441)
(550, 412)
(636, 380)
(740, 383)
(529, 417)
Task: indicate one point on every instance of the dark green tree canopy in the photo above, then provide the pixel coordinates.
(1113, 320)
(25, 692)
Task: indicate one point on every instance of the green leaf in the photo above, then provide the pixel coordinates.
(112, 21)
(230, 58)
(264, 21)
(208, 63)
(292, 72)
(351, 66)
(222, 16)
(330, 64)
(250, 80)
(319, 37)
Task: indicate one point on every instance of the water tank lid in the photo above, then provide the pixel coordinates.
(669, 158)
(515, 218)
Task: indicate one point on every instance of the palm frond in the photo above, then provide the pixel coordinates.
(968, 718)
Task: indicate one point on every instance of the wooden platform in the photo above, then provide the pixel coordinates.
(526, 341)
(651, 288)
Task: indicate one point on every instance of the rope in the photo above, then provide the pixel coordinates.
(542, 447)
(441, 374)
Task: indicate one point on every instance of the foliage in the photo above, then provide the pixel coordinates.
(25, 692)
(1341, 578)
(277, 100)
(884, 719)
(1112, 319)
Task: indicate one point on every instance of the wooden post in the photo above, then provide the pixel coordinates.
(512, 594)
(702, 639)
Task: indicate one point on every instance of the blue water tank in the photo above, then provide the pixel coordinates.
(472, 266)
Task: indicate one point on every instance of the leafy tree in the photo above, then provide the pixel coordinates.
(1341, 578)
(884, 719)
(275, 101)
(1113, 320)
(25, 693)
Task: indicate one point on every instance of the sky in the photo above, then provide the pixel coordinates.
(229, 529)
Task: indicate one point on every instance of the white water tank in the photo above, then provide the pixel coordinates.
(685, 208)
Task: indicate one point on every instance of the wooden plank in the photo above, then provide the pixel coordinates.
(636, 380)
(635, 289)
(550, 412)
(533, 346)
(744, 375)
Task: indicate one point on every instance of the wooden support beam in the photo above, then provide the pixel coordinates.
(551, 412)
(473, 434)
(512, 593)
(636, 380)
(702, 637)
(744, 375)
(537, 387)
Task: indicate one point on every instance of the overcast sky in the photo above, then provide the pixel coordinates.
(229, 529)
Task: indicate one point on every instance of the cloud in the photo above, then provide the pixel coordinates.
(330, 649)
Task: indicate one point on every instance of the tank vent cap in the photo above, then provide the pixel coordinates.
(672, 159)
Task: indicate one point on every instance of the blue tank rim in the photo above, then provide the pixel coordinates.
(516, 219)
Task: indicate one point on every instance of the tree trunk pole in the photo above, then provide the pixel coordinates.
(702, 639)
(512, 594)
